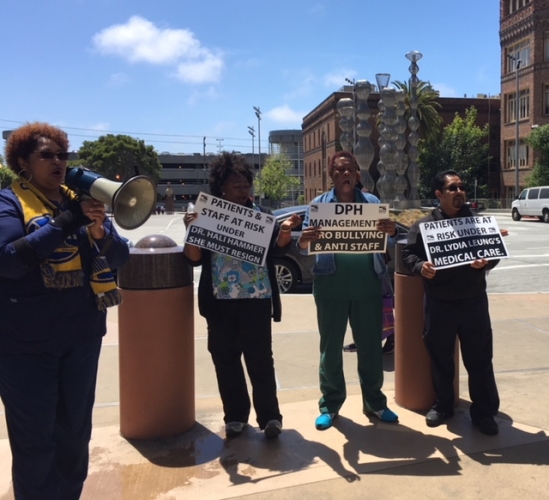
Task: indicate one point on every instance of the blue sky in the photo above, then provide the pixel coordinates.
(173, 71)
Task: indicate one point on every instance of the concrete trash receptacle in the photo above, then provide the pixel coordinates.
(156, 341)
(413, 376)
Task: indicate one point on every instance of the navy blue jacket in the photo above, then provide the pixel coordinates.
(36, 318)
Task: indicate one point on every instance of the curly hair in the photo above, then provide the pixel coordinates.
(24, 140)
(341, 154)
(223, 167)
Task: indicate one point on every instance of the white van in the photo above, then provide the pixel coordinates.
(533, 201)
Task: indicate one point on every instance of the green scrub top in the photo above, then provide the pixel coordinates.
(354, 279)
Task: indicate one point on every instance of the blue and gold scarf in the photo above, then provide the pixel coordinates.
(63, 268)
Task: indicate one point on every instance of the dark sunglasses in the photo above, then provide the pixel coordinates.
(454, 187)
(50, 155)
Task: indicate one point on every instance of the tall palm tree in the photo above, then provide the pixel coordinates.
(427, 110)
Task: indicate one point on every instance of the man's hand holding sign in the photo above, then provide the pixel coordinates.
(453, 248)
(457, 241)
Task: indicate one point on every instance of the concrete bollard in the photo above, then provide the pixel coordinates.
(413, 377)
(156, 341)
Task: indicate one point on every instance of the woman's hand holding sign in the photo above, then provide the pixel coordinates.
(189, 217)
(285, 233)
(311, 233)
(387, 226)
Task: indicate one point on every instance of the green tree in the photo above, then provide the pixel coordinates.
(115, 156)
(273, 182)
(539, 140)
(429, 118)
(462, 147)
(6, 174)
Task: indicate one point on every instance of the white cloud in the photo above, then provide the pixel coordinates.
(118, 80)
(203, 71)
(445, 90)
(139, 40)
(198, 96)
(285, 114)
(317, 9)
(247, 64)
(100, 127)
(304, 88)
(337, 78)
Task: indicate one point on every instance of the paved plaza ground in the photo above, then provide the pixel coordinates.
(357, 458)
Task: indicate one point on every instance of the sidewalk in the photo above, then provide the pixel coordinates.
(355, 459)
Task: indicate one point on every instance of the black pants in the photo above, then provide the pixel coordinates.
(240, 327)
(48, 399)
(468, 319)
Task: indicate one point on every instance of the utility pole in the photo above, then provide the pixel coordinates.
(258, 114)
(517, 61)
(353, 83)
(219, 145)
(204, 158)
(251, 131)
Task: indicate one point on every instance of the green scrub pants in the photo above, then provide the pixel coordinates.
(365, 319)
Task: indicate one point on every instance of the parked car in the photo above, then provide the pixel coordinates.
(477, 206)
(533, 202)
(295, 269)
(433, 203)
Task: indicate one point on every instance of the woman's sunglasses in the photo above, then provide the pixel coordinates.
(50, 155)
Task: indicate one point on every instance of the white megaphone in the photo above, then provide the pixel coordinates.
(132, 201)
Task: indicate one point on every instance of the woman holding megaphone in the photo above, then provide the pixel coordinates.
(56, 257)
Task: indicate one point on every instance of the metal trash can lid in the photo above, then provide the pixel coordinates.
(156, 261)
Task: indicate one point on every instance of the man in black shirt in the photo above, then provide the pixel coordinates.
(456, 304)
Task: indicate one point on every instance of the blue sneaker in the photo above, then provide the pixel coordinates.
(324, 421)
(385, 415)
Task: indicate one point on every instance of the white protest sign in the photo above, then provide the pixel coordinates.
(348, 227)
(459, 241)
(231, 229)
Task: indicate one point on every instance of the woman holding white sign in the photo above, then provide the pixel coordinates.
(347, 288)
(238, 299)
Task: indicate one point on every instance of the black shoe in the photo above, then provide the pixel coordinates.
(434, 418)
(487, 425)
(349, 348)
(389, 345)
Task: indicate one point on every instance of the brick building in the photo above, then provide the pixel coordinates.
(524, 39)
(321, 134)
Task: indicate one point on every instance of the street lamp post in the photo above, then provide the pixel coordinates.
(413, 124)
(258, 114)
(204, 159)
(353, 83)
(251, 131)
(516, 60)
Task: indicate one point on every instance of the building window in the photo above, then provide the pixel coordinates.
(546, 45)
(515, 5)
(524, 153)
(510, 107)
(518, 51)
(524, 106)
(546, 100)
